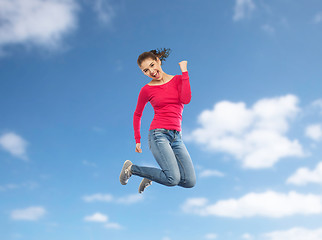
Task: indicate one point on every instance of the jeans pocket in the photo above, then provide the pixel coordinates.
(159, 136)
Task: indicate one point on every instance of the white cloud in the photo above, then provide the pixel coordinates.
(113, 226)
(256, 136)
(268, 28)
(211, 236)
(90, 164)
(166, 238)
(16, 236)
(28, 214)
(11, 186)
(8, 186)
(104, 10)
(14, 144)
(247, 236)
(267, 204)
(99, 197)
(96, 217)
(37, 22)
(318, 103)
(195, 205)
(211, 173)
(243, 8)
(130, 199)
(295, 234)
(102, 218)
(314, 132)
(304, 176)
(318, 18)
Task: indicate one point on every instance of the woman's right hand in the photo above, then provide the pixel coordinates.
(138, 148)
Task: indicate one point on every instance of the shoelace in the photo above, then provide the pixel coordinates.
(127, 173)
(147, 184)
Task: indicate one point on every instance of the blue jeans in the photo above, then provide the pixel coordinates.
(173, 158)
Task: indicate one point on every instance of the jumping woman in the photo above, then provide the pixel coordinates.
(167, 94)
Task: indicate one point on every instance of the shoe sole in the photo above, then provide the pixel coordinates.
(141, 187)
(126, 164)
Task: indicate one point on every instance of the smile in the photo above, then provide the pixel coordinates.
(156, 74)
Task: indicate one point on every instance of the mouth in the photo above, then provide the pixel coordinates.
(156, 74)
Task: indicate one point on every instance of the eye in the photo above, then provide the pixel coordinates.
(152, 64)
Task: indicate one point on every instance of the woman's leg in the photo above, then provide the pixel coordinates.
(187, 172)
(169, 174)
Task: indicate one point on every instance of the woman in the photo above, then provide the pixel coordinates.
(167, 94)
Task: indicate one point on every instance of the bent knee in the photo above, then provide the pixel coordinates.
(173, 181)
(189, 183)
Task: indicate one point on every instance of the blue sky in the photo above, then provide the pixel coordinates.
(68, 89)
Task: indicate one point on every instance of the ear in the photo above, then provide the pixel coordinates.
(159, 61)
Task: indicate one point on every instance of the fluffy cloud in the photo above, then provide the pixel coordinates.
(318, 18)
(211, 173)
(268, 28)
(242, 9)
(256, 135)
(102, 218)
(28, 214)
(39, 22)
(14, 144)
(113, 226)
(318, 104)
(267, 204)
(247, 236)
(295, 234)
(104, 10)
(211, 236)
(99, 197)
(130, 199)
(314, 132)
(96, 217)
(304, 176)
(11, 186)
(90, 164)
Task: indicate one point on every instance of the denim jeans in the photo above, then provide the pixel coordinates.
(173, 158)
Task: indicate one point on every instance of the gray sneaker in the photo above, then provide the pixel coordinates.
(126, 172)
(144, 184)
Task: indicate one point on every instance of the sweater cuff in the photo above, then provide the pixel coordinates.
(185, 75)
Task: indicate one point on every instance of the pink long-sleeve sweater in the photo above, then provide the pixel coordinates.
(167, 101)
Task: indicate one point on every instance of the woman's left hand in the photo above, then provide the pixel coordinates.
(183, 66)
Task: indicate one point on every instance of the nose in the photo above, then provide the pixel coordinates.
(150, 71)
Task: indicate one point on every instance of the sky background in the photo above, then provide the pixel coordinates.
(69, 83)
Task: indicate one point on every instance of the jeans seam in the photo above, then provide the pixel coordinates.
(183, 169)
(163, 158)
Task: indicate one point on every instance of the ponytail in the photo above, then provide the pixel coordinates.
(162, 54)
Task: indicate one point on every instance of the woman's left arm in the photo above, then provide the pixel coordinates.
(185, 89)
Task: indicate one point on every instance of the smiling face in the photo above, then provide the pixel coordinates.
(152, 68)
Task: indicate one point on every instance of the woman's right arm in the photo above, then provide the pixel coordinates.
(184, 86)
(142, 101)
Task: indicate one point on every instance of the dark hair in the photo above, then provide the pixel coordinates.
(162, 54)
